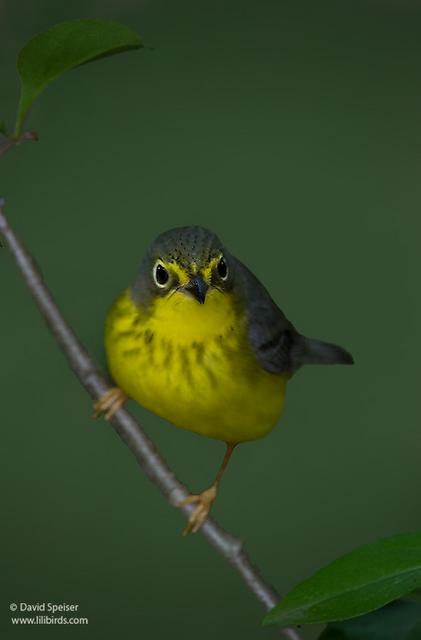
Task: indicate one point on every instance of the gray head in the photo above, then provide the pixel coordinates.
(186, 260)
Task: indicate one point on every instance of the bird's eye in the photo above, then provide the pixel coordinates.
(161, 275)
(222, 269)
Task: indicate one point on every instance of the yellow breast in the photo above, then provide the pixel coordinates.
(191, 364)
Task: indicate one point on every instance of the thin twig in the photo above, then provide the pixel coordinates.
(129, 430)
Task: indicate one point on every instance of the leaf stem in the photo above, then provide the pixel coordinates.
(13, 141)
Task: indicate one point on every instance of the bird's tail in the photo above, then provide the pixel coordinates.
(317, 352)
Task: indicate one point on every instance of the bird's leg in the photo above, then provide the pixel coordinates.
(109, 403)
(205, 499)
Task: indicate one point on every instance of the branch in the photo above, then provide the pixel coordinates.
(129, 430)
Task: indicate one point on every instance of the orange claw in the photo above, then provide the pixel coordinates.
(109, 403)
(204, 502)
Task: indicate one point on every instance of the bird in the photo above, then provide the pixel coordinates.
(198, 340)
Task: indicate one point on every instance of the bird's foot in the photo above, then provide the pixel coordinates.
(204, 503)
(109, 403)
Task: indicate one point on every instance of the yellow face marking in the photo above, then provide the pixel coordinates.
(208, 270)
(183, 276)
(175, 269)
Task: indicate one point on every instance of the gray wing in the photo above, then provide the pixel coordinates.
(277, 345)
(271, 334)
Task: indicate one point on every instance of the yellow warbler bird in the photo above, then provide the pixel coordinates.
(199, 341)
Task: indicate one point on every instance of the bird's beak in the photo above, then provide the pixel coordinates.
(198, 288)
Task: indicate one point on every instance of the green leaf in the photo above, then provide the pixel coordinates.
(67, 45)
(397, 621)
(3, 128)
(361, 581)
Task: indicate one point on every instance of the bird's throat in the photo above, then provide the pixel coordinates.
(184, 319)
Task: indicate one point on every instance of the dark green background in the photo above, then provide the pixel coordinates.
(293, 129)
